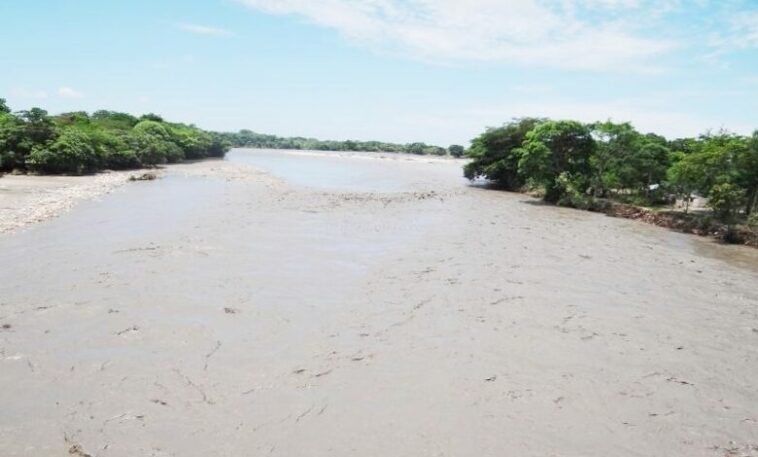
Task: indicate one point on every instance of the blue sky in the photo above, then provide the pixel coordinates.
(438, 71)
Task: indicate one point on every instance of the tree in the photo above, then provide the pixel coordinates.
(112, 147)
(415, 148)
(193, 142)
(686, 176)
(626, 160)
(77, 142)
(615, 143)
(112, 120)
(219, 145)
(151, 148)
(726, 200)
(651, 161)
(715, 160)
(38, 126)
(456, 150)
(19, 134)
(716, 154)
(557, 149)
(72, 152)
(746, 164)
(11, 138)
(494, 153)
(78, 118)
(151, 117)
(4, 107)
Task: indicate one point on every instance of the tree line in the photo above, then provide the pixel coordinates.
(250, 139)
(77, 142)
(575, 164)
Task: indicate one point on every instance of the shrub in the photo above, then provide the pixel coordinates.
(71, 153)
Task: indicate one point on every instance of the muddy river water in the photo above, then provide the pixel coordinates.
(299, 304)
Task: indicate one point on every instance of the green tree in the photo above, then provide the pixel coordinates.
(72, 152)
(112, 120)
(713, 161)
(557, 149)
(113, 148)
(626, 160)
(11, 139)
(494, 153)
(716, 155)
(151, 117)
(746, 163)
(686, 176)
(456, 150)
(615, 143)
(19, 134)
(415, 148)
(726, 199)
(77, 142)
(38, 126)
(651, 161)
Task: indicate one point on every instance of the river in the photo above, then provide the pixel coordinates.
(314, 304)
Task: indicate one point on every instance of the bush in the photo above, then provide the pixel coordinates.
(456, 150)
(71, 153)
(122, 159)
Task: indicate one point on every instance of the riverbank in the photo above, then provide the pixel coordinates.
(700, 224)
(227, 310)
(30, 199)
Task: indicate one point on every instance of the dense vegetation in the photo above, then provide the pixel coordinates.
(576, 164)
(76, 143)
(249, 139)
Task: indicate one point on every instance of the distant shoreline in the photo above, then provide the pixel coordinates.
(402, 156)
(27, 199)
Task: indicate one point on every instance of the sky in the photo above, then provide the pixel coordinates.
(437, 71)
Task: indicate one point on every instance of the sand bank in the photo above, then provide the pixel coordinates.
(28, 199)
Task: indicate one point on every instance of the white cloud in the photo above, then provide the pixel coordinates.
(556, 33)
(646, 115)
(21, 92)
(67, 92)
(740, 32)
(204, 30)
(744, 30)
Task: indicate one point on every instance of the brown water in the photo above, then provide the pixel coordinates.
(330, 171)
(231, 313)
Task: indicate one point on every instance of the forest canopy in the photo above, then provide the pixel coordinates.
(572, 163)
(78, 142)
